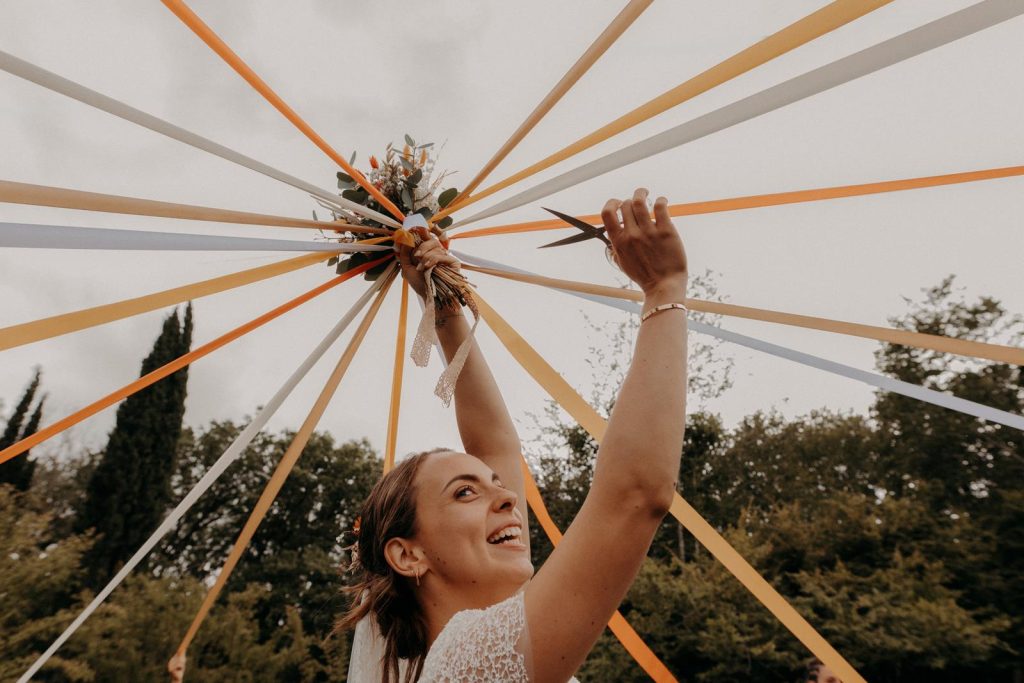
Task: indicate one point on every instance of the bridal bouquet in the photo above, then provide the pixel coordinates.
(407, 178)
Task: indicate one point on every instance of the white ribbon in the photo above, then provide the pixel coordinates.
(27, 235)
(880, 381)
(232, 453)
(47, 79)
(904, 46)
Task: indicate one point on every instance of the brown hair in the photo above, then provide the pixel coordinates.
(381, 592)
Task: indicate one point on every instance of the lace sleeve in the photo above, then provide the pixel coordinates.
(479, 646)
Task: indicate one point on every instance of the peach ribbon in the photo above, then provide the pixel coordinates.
(396, 380)
(814, 25)
(146, 380)
(774, 199)
(622, 629)
(206, 34)
(614, 30)
(54, 326)
(64, 198)
(588, 418)
(964, 347)
(287, 462)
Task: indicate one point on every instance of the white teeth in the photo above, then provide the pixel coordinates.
(505, 534)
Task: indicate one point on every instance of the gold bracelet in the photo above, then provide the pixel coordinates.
(659, 309)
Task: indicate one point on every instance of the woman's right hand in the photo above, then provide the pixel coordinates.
(650, 252)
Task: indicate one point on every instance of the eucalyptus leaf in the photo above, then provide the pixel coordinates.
(331, 261)
(445, 222)
(343, 185)
(406, 164)
(407, 197)
(409, 141)
(425, 211)
(446, 197)
(352, 160)
(358, 196)
(345, 177)
(425, 146)
(415, 178)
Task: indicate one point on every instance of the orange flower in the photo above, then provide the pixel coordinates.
(423, 158)
(407, 152)
(373, 162)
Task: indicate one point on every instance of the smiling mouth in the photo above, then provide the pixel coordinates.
(509, 536)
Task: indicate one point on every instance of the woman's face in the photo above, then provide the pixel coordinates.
(469, 527)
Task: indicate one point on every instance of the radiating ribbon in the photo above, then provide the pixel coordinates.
(622, 629)
(774, 199)
(47, 79)
(964, 347)
(206, 34)
(156, 375)
(814, 25)
(622, 21)
(879, 381)
(45, 328)
(32, 236)
(904, 46)
(588, 418)
(288, 461)
(61, 197)
(396, 381)
(218, 468)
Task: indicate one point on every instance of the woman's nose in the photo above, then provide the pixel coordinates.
(506, 499)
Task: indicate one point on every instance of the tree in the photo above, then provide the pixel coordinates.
(897, 535)
(39, 577)
(18, 471)
(129, 491)
(299, 549)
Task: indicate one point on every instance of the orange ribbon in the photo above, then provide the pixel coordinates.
(396, 381)
(775, 199)
(588, 418)
(284, 467)
(146, 380)
(818, 23)
(54, 326)
(206, 34)
(935, 342)
(622, 629)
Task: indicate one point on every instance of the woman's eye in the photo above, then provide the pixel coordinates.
(461, 493)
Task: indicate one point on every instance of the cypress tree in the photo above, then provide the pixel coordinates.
(18, 471)
(128, 494)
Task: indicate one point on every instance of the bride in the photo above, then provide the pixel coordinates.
(447, 591)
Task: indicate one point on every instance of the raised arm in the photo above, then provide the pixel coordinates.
(485, 425)
(586, 577)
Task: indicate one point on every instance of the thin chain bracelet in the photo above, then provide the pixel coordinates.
(661, 308)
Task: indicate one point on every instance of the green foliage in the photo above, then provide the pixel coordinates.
(40, 576)
(130, 489)
(900, 537)
(298, 548)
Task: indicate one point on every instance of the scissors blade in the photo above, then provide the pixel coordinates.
(572, 239)
(589, 231)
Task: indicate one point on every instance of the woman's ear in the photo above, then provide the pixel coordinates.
(405, 557)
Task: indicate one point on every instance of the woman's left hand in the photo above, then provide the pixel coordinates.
(427, 254)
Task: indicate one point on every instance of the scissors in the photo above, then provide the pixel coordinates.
(589, 231)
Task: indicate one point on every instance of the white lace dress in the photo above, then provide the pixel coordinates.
(482, 646)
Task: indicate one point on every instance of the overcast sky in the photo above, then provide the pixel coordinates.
(466, 74)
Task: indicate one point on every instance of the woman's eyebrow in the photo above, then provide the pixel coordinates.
(467, 477)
